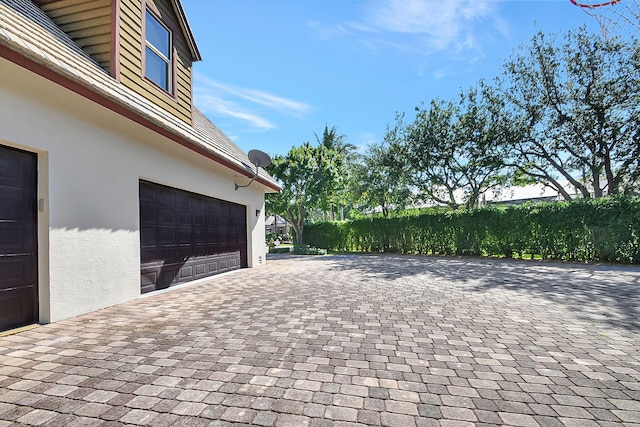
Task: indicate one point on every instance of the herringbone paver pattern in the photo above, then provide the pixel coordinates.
(345, 340)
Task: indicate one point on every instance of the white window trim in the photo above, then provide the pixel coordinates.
(168, 61)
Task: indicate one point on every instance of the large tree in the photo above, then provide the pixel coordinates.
(454, 148)
(379, 179)
(577, 104)
(338, 156)
(307, 175)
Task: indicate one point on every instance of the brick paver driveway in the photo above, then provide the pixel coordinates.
(397, 341)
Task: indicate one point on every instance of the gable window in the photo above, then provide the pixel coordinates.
(158, 61)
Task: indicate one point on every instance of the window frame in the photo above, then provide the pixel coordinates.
(170, 68)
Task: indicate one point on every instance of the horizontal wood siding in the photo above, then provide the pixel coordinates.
(131, 61)
(88, 23)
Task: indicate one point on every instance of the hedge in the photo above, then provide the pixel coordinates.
(606, 229)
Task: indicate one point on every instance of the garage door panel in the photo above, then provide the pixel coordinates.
(148, 215)
(167, 236)
(161, 275)
(166, 217)
(168, 275)
(199, 235)
(201, 270)
(182, 201)
(18, 238)
(15, 204)
(166, 198)
(170, 254)
(194, 236)
(148, 194)
(184, 218)
(197, 204)
(186, 272)
(148, 280)
(15, 237)
(16, 307)
(149, 235)
(197, 220)
(149, 255)
(184, 236)
(184, 253)
(13, 270)
(200, 251)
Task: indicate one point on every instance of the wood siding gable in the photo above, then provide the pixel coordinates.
(88, 23)
(131, 56)
(111, 32)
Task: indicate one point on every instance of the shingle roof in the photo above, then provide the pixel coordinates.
(26, 29)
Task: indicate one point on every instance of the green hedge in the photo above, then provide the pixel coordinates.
(605, 229)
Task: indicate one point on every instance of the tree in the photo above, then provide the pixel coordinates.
(339, 155)
(306, 174)
(455, 148)
(379, 179)
(578, 105)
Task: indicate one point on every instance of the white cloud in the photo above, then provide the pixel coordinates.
(216, 105)
(249, 105)
(417, 27)
(362, 140)
(324, 32)
(443, 23)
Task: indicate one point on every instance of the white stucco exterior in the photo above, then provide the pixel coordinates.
(90, 161)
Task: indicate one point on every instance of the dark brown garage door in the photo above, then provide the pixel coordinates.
(186, 236)
(18, 238)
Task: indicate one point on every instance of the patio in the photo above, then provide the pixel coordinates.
(345, 340)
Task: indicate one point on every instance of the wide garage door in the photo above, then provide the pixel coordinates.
(18, 238)
(186, 236)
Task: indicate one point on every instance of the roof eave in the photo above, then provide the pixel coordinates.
(23, 59)
(186, 29)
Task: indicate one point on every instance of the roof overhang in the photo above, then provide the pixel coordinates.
(186, 29)
(182, 18)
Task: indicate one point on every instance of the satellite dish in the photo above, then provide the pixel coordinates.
(261, 160)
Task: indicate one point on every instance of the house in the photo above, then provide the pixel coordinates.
(276, 224)
(112, 184)
(518, 195)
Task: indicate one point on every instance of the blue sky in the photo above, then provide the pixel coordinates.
(274, 72)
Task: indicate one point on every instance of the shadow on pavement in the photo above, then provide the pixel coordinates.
(600, 293)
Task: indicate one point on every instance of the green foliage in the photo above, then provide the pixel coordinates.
(454, 149)
(308, 250)
(576, 102)
(280, 249)
(310, 178)
(271, 236)
(380, 180)
(606, 229)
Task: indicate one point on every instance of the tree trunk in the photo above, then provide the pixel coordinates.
(299, 233)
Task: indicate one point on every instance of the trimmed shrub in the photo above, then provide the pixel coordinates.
(606, 229)
(308, 250)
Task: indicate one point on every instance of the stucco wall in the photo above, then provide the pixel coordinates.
(90, 163)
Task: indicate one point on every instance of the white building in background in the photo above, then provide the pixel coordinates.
(276, 224)
(518, 195)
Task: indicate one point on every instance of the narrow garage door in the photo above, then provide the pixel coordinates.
(18, 238)
(186, 236)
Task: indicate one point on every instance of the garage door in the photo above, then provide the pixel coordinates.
(18, 238)
(186, 236)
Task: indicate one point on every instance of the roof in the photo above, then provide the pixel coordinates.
(186, 29)
(29, 38)
(274, 219)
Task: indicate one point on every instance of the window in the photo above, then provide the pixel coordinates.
(158, 61)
